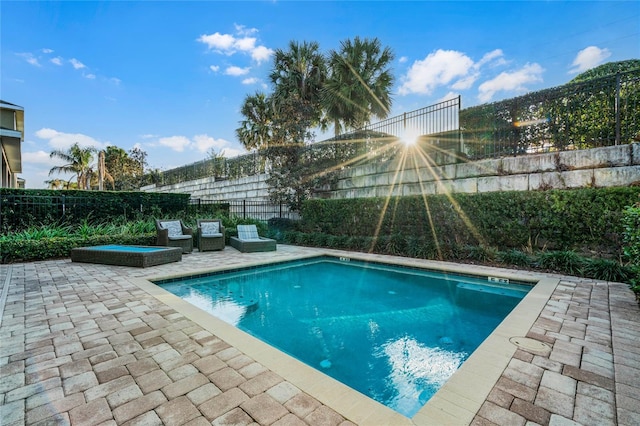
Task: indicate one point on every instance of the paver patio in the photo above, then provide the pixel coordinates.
(82, 344)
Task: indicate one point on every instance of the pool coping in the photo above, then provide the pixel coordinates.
(456, 402)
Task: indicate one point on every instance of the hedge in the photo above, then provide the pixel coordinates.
(21, 208)
(585, 220)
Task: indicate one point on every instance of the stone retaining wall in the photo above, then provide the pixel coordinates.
(252, 188)
(599, 167)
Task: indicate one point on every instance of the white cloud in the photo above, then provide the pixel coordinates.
(39, 157)
(261, 54)
(62, 141)
(438, 68)
(214, 68)
(229, 44)
(218, 42)
(115, 81)
(176, 143)
(30, 59)
(588, 58)
(510, 81)
(446, 68)
(251, 80)
(148, 136)
(403, 59)
(495, 55)
(465, 82)
(47, 50)
(242, 30)
(204, 142)
(57, 61)
(236, 71)
(77, 64)
(90, 76)
(232, 152)
(448, 96)
(200, 143)
(246, 44)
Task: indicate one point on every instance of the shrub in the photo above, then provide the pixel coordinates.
(606, 270)
(631, 234)
(395, 244)
(481, 253)
(566, 261)
(514, 257)
(578, 219)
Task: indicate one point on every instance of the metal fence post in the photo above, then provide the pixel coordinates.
(617, 108)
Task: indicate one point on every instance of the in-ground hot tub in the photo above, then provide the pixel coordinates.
(138, 256)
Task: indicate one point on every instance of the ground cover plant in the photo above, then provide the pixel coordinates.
(50, 241)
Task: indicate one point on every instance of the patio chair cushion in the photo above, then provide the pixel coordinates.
(180, 237)
(210, 229)
(174, 227)
(248, 232)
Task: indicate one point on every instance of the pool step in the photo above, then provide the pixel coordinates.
(502, 290)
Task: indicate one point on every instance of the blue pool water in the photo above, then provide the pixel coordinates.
(395, 334)
(133, 249)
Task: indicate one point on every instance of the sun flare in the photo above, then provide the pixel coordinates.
(410, 136)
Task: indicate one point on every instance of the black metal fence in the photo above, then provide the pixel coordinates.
(596, 113)
(23, 211)
(599, 112)
(374, 142)
(247, 209)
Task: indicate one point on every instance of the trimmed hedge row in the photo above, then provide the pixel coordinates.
(21, 208)
(585, 220)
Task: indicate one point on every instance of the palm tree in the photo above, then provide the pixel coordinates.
(297, 75)
(78, 162)
(103, 172)
(255, 131)
(56, 183)
(358, 85)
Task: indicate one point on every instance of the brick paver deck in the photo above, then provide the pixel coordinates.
(81, 344)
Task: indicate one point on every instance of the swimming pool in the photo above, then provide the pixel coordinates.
(395, 334)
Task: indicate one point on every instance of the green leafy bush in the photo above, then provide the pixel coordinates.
(566, 261)
(606, 270)
(631, 234)
(515, 258)
(481, 253)
(580, 220)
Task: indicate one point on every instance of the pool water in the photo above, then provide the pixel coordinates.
(132, 249)
(395, 334)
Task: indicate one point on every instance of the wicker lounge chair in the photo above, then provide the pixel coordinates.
(210, 234)
(249, 241)
(173, 233)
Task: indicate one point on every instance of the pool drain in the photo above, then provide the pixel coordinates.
(533, 346)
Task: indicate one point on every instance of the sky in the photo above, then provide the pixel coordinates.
(169, 77)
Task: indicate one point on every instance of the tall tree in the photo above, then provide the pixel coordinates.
(255, 131)
(297, 76)
(78, 161)
(125, 168)
(359, 83)
(137, 166)
(57, 183)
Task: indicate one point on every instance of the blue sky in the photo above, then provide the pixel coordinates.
(170, 77)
